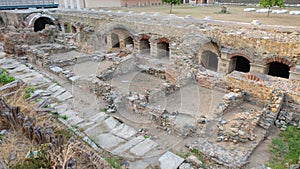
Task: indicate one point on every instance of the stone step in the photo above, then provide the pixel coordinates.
(98, 117)
(19, 70)
(61, 108)
(96, 129)
(143, 147)
(128, 145)
(170, 161)
(59, 92)
(108, 141)
(75, 120)
(123, 131)
(64, 96)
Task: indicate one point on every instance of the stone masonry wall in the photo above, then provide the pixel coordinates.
(261, 87)
(259, 41)
(263, 41)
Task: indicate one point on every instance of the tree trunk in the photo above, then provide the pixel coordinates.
(171, 8)
(269, 11)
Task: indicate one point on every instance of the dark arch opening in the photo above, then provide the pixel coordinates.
(129, 42)
(144, 46)
(41, 23)
(163, 50)
(279, 70)
(241, 64)
(115, 41)
(210, 60)
(1, 21)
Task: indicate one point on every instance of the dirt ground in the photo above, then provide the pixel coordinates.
(236, 13)
(261, 155)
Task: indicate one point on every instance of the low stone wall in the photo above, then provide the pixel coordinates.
(235, 156)
(262, 89)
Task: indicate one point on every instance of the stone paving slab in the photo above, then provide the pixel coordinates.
(97, 129)
(98, 117)
(75, 120)
(28, 75)
(11, 66)
(51, 86)
(143, 147)
(61, 108)
(6, 61)
(170, 161)
(37, 80)
(138, 165)
(20, 69)
(59, 92)
(111, 122)
(123, 131)
(74, 78)
(108, 141)
(64, 96)
(128, 145)
(69, 113)
(87, 125)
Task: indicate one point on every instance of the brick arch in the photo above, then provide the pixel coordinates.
(282, 60)
(242, 54)
(164, 39)
(144, 36)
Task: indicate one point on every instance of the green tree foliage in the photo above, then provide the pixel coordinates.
(271, 3)
(171, 2)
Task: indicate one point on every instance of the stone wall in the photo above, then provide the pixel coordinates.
(257, 43)
(261, 87)
(262, 41)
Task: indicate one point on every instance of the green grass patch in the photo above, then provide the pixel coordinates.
(65, 117)
(41, 161)
(5, 78)
(28, 91)
(184, 154)
(65, 132)
(115, 162)
(285, 149)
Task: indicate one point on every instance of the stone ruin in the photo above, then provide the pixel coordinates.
(144, 87)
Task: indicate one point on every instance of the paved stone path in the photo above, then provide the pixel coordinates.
(99, 128)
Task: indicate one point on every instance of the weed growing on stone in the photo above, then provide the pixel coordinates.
(285, 149)
(115, 162)
(28, 92)
(5, 78)
(65, 117)
(184, 154)
(198, 154)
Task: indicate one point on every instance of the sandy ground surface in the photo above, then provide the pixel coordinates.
(261, 155)
(136, 82)
(89, 68)
(236, 13)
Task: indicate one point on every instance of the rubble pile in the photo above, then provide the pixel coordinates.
(159, 73)
(240, 129)
(138, 102)
(271, 109)
(285, 118)
(102, 89)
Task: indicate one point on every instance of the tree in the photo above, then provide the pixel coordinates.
(171, 2)
(271, 3)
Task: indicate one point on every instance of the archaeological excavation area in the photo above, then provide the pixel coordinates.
(103, 89)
